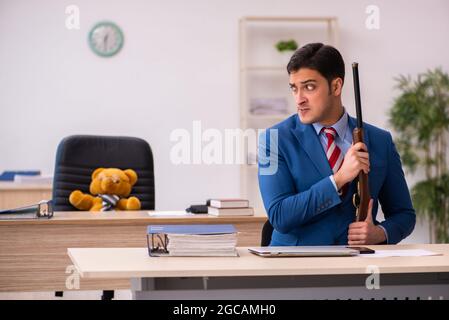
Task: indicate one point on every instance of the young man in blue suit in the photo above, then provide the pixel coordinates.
(308, 164)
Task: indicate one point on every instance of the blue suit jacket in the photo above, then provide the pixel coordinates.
(301, 201)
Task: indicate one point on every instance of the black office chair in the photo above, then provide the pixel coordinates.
(79, 155)
(267, 231)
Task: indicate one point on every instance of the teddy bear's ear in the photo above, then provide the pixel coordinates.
(96, 173)
(132, 175)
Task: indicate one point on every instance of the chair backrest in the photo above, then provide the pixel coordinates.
(78, 156)
(267, 231)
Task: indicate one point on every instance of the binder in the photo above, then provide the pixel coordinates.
(192, 240)
(9, 175)
(43, 209)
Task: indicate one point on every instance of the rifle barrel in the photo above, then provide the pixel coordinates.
(358, 104)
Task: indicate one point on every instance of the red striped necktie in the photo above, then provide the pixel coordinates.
(334, 154)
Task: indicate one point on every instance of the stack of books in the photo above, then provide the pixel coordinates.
(230, 207)
(218, 240)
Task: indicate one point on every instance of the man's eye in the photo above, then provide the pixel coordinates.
(293, 89)
(310, 87)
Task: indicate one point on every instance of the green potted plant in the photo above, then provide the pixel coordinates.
(420, 117)
(289, 45)
(286, 48)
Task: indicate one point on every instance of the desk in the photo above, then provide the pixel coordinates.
(33, 253)
(13, 194)
(253, 277)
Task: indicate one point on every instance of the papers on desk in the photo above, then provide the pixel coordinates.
(34, 179)
(217, 245)
(401, 253)
(192, 240)
(168, 213)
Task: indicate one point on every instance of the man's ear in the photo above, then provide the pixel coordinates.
(336, 86)
(132, 175)
(96, 173)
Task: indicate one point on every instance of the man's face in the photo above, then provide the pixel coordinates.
(312, 96)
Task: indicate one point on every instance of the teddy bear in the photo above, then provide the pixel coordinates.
(109, 190)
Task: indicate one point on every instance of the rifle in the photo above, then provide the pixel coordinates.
(362, 197)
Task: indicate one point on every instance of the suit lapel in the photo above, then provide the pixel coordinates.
(309, 141)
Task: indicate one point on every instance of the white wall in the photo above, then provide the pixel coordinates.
(179, 64)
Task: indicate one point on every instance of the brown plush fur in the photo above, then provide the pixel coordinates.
(107, 181)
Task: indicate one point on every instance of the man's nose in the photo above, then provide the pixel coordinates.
(300, 98)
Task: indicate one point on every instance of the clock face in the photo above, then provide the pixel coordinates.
(106, 39)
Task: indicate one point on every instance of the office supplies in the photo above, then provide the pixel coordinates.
(9, 175)
(44, 209)
(303, 251)
(192, 240)
(229, 203)
(230, 207)
(33, 179)
(402, 253)
(177, 213)
(230, 211)
(197, 208)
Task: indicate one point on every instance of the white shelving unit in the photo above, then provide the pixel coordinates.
(263, 75)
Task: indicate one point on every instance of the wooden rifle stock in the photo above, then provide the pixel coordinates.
(362, 197)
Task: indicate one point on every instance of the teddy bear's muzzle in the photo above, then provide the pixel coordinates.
(108, 184)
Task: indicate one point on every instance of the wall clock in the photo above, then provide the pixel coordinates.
(106, 39)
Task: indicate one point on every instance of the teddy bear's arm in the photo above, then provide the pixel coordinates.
(132, 203)
(82, 201)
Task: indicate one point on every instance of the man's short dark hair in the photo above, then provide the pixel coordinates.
(316, 56)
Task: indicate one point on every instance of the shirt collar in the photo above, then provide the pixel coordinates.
(341, 126)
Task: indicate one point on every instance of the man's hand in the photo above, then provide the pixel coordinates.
(356, 159)
(366, 232)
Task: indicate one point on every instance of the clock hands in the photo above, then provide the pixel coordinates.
(105, 41)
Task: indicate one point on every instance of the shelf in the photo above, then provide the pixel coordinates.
(289, 19)
(263, 75)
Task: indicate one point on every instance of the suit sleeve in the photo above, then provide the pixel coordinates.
(394, 198)
(287, 209)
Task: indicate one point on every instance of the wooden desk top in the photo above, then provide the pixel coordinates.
(135, 263)
(129, 218)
